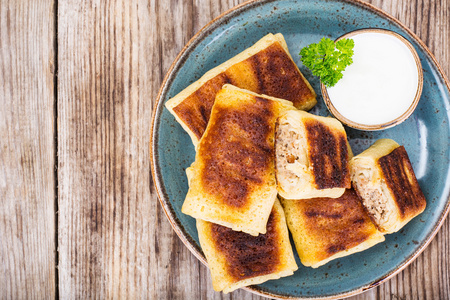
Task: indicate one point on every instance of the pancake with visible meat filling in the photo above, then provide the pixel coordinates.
(312, 155)
(324, 229)
(237, 259)
(232, 180)
(265, 68)
(385, 180)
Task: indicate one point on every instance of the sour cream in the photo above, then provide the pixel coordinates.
(382, 86)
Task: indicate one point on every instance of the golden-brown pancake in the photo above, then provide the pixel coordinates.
(385, 180)
(237, 259)
(312, 156)
(324, 229)
(232, 181)
(265, 68)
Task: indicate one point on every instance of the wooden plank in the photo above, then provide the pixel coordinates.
(106, 218)
(27, 152)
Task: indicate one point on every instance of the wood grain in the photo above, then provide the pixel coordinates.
(27, 151)
(106, 217)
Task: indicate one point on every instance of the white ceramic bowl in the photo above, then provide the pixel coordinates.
(379, 90)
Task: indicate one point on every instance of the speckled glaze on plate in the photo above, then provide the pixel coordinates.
(425, 135)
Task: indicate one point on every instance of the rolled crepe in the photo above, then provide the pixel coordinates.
(324, 229)
(265, 68)
(237, 259)
(383, 177)
(232, 180)
(312, 156)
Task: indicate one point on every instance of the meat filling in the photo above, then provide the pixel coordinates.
(374, 193)
(291, 157)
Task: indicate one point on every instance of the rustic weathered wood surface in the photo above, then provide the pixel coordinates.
(93, 126)
(27, 150)
(106, 204)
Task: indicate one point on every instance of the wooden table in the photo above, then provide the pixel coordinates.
(79, 216)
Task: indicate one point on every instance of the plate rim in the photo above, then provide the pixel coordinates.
(168, 209)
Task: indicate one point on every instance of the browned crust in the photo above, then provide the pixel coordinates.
(278, 76)
(271, 72)
(336, 224)
(238, 150)
(328, 156)
(249, 256)
(195, 110)
(400, 179)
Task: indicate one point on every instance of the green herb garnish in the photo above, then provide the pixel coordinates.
(328, 59)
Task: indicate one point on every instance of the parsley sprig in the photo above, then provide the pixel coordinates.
(328, 59)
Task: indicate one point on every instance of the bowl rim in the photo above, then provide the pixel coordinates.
(170, 213)
(405, 115)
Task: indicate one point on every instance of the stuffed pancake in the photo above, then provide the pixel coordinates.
(312, 156)
(324, 229)
(383, 177)
(237, 259)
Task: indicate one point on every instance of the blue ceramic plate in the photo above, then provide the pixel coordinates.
(425, 135)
